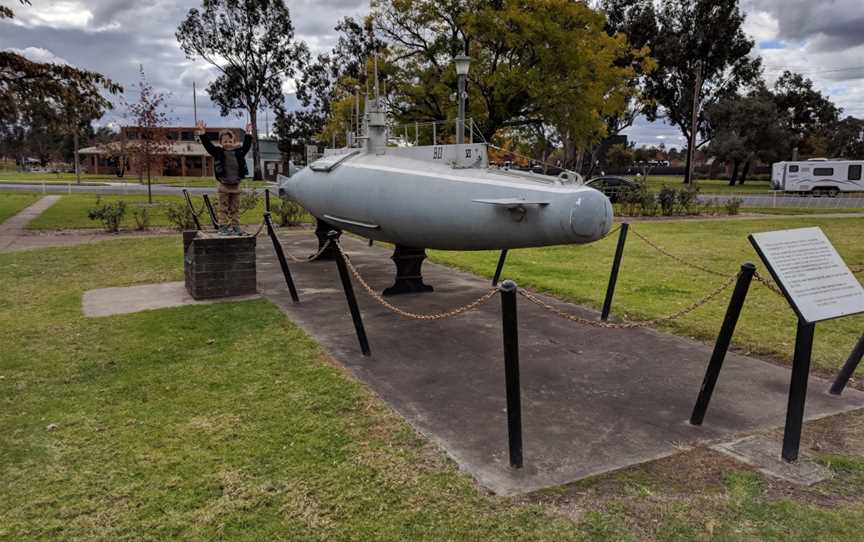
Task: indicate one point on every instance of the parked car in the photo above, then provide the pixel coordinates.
(612, 187)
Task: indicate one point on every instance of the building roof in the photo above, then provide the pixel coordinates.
(177, 148)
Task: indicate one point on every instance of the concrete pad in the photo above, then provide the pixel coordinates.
(111, 301)
(763, 452)
(594, 400)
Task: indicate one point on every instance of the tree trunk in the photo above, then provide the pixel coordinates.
(149, 191)
(687, 165)
(734, 177)
(744, 172)
(77, 158)
(256, 151)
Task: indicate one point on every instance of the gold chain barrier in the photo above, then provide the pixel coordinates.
(414, 316)
(308, 259)
(619, 325)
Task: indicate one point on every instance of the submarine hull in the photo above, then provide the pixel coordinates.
(420, 204)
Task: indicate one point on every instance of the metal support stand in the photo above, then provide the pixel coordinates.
(192, 209)
(848, 368)
(511, 371)
(280, 255)
(349, 296)
(322, 230)
(409, 271)
(723, 340)
(616, 266)
(266, 200)
(500, 267)
(211, 211)
(798, 390)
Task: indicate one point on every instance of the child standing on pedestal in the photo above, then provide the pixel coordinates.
(229, 161)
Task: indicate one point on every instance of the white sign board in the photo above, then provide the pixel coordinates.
(814, 277)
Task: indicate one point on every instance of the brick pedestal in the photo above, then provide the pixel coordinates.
(219, 266)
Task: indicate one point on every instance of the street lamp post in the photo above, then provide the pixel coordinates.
(462, 63)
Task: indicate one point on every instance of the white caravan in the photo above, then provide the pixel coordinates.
(818, 176)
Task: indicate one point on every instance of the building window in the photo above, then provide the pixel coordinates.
(793, 169)
(855, 172)
(823, 171)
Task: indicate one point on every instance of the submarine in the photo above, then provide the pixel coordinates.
(443, 197)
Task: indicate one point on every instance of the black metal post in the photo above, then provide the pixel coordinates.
(498, 269)
(723, 340)
(280, 255)
(266, 200)
(211, 211)
(192, 209)
(349, 296)
(511, 371)
(798, 390)
(848, 368)
(616, 266)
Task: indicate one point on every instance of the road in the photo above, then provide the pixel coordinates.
(749, 200)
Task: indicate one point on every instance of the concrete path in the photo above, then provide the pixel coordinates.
(594, 400)
(12, 229)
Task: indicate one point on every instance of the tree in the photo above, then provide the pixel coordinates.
(701, 51)
(546, 62)
(250, 44)
(745, 129)
(808, 115)
(847, 138)
(619, 156)
(39, 94)
(151, 144)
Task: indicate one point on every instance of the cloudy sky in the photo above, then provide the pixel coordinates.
(823, 40)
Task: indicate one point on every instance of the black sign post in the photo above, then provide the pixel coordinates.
(818, 286)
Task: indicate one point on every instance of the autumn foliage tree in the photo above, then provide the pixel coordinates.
(150, 117)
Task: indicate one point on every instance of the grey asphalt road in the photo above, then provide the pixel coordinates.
(749, 200)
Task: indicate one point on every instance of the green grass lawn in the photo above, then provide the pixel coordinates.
(71, 211)
(226, 422)
(708, 186)
(796, 211)
(651, 285)
(12, 204)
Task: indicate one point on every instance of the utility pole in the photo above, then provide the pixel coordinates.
(194, 103)
(694, 126)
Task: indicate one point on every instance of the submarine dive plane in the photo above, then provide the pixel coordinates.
(443, 197)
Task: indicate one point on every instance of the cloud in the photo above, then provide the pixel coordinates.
(114, 37)
(38, 54)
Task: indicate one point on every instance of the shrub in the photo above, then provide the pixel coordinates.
(648, 203)
(141, 215)
(667, 199)
(289, 212)
(733, 205)
(180, 216)
(110, 214)
(687, 199)
(248, 201)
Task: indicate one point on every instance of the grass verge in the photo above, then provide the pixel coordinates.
(12, 204)
(652, 285)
